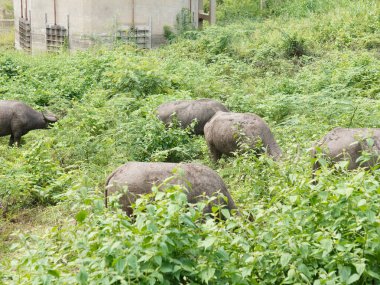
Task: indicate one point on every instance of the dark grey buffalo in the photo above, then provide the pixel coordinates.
(349, 144)
(139, 177)
(186, 111)
(17, 119)
(224, 131)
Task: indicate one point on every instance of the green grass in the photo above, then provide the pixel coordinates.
(7, 5)
(7, 40)
(304, 66)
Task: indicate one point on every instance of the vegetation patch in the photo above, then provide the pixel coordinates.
(324, 75)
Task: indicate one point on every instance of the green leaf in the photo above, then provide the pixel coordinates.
(132, 261)
(226, 213)
(160, 195)
(353, 278)
(246, 271)
(303, 268)
(373, 274)
(173, 209)
(360, 267)
(327, 246)
(344, 190)
(158, 260)
(81, 216)
(207, 274)
(82, 276)
(291, 273)
(362, 202)
(187, 265)
(285, 258)
(120, 265)
(166, 268)
(371, 216)
(54, 273)
(208, 242)
(344, 273)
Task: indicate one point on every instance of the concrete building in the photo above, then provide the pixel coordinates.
(50, 24)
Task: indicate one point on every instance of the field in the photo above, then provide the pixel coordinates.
(304, 66)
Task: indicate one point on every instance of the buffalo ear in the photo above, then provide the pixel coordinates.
(49, 118)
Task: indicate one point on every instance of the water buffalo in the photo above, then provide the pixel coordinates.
(222, 133)
(139, 177)
(17, 119)
(186, 111)
(348, 144)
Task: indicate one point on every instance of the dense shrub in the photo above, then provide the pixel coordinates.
(325, 74)
(299, 234)
(294, 46)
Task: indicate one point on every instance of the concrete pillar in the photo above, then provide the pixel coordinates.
(200, 10)
(195, 13)
(212, 12)
(199, 15)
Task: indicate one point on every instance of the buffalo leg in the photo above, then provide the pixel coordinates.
(17, 140)
(215, 154)
(11, 140)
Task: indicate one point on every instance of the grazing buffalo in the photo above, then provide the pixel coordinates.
(17, 119)
(139, 177)
(348, 144)
(224, 130)
(186, 111)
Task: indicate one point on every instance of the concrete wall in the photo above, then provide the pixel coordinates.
(97, 19)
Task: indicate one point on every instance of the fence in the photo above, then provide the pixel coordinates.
(6, 25)
(55, 37)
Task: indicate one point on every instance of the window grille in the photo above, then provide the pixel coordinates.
(56, 37)
(25, 34)
(140, 35)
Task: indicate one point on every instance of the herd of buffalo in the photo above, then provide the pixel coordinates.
(223, 131)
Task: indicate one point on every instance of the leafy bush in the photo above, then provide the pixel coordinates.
(169, 33)
(8, 67)
(183, 21)
(294, 46)
(106, 99)
(300, 234)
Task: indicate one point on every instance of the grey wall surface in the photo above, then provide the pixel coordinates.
(90, 21)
